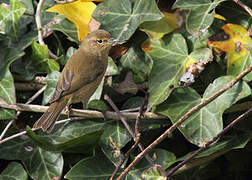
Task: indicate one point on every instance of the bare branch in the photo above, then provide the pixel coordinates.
(183, 118)
(227, 128)
(40, 28)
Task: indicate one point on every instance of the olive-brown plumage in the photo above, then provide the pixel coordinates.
(80, 77)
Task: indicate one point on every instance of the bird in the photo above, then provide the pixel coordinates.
(80, 77)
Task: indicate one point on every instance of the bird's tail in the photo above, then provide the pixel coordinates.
(48, 119)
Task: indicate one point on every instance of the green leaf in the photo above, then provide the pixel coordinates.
(77, 136)
(114, 138)
(7, 93)
(41, 164)
(98, 105)
(139, 62)
(170, 60)
(153, 173)
(67, 28)
(14, 171)
(51, 82)
(93, 168)
(44, 165)
(199, 14)
(206, 123)
(8, 55)
(122, 18)
(98, 92)
(9, 18)
(112, 69)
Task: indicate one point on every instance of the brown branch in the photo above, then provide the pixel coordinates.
(40, 28)
(227, 128)
(246, 8)
(183, 118)
(124, 121)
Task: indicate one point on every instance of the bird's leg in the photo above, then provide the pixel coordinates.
(69, 110)
(84, 105)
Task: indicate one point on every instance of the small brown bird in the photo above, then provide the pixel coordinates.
(80, 77)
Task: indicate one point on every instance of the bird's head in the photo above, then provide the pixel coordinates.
(99, 40)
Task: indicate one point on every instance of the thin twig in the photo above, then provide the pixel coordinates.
(34, 129)
(125, 157)
(183, 118)
(124, 121)
(40, 28)
(18, 112)
(246, 8)
(227, 128)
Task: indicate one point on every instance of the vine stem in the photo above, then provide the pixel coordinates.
(182, 119)
(40, 28)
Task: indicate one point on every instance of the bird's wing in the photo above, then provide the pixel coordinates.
(70, 82)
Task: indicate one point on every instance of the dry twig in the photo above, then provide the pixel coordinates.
(183, 118)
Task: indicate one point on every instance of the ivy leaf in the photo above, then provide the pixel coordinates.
(78, 12)
(170, 60)
(14, 171)
(199, 14)
(8, 55)
(7, 93)
(122, 18)
(153, 173)
(97, 167)
(138, 61)
(77, 136)
(51, 82)
(157, 29)
(207, 122)
(9, 18)
(232, 39)
(68, 28)
(40, 164)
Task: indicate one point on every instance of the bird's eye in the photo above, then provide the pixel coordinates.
(99, 41)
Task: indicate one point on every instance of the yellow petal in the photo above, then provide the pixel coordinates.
(78, 12)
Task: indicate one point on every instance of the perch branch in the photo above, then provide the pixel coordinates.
(79, 112)
(183, 118)
(227, 128)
